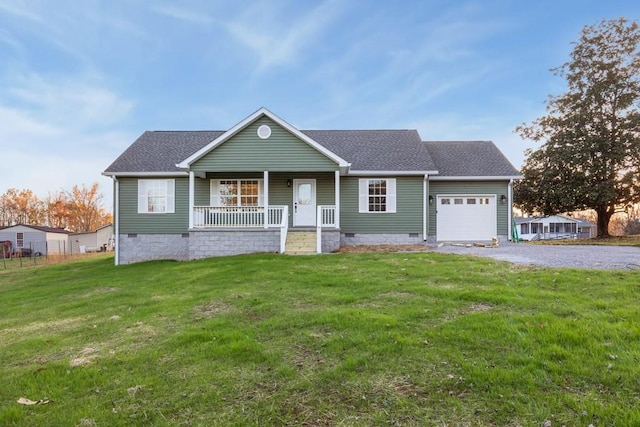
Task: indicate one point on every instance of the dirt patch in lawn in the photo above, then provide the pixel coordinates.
(361, 249)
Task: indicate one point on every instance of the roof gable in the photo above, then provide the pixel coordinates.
(354, 152)
(262, 112)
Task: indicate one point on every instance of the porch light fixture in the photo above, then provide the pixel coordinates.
(430, 200)
(503, 199)
(288, 183)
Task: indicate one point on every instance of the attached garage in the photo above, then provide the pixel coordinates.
(466, 217)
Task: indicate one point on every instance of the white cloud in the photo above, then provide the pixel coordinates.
(58, 133)
(182, 14)
(72, 103)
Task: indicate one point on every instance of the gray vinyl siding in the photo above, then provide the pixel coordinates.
(282, 151)
(471, 187)
(408, 216)
(131, 222)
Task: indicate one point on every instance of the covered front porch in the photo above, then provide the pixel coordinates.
(234, 204)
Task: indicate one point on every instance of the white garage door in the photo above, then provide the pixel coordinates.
(466, 218)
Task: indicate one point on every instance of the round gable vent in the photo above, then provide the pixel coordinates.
(264, 132)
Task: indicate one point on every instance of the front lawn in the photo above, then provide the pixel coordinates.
(342, 339)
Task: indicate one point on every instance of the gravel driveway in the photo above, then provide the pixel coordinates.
(578, 256)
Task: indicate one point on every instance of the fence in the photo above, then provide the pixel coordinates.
(38, 253)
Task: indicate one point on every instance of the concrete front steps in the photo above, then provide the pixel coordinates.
(300, 243)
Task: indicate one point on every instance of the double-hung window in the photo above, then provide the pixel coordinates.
(156, 195)
(19, 240)
(377, 195)
(237, 192)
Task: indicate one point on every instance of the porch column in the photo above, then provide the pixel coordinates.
(116, 220)
(337, 198)
(510, 211)
(266, 198)
(425, 207)
(192, 185)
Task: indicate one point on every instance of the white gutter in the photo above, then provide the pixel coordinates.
(425, 206)
(144, 174)
(475, 178)
(390, 173)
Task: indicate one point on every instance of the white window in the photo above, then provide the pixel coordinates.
(524, 228)
(156, 195)
(484, 200)
(445, 201)
(377, 195)
(237, 192)
(471, 201)
(20, 240)
(457, 201)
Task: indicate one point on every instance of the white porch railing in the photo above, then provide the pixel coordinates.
(326, 217)
(245, 216)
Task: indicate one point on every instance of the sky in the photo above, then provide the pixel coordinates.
(81, 80)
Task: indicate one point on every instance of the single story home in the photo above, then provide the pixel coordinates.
(554, 227)
(29, 240)
(267, 186)
(99, 240)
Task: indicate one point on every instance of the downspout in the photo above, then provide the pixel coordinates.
(337, 198)
(191, 198)
(510, 209)
(116, 220)
(425, 216)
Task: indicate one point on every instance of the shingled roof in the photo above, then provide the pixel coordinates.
(376, 150)
(159, 151)
(469, 159)
(367, 151)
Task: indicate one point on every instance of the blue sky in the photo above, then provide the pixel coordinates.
(80, 80)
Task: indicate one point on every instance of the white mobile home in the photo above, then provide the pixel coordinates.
(554, 227)
(33, 239)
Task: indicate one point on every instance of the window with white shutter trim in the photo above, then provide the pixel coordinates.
(377, 195)
(156, 196)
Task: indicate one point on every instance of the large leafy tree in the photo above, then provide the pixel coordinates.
(590, 152)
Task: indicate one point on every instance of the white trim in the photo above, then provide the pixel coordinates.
(363, 196)
(186, 163)
(214, 190)
(510, 209)
(265, 194)
(425, 206)
(390, 173)
(476, 178)
(192, 187)
(337, 198)
(116, 220)
(314, 196)
(170, 196)
(145, 174)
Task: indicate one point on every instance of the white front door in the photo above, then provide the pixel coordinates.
(304, 202)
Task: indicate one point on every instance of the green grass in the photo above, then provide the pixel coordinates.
(344, 339)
